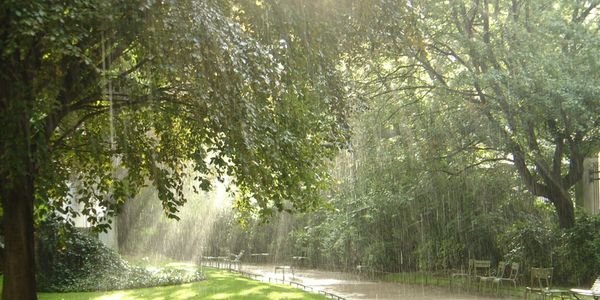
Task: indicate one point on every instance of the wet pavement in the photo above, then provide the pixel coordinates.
(351, 286)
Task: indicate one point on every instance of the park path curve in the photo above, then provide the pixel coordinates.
(351, 286)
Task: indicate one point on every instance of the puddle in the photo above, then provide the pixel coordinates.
(350, 286)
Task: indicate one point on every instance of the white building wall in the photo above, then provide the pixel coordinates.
(109, 238)
(591, 184)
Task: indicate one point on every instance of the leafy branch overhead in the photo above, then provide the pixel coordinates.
(189, 87)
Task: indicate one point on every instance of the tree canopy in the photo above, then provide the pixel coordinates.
(103, 95)
(515, 80)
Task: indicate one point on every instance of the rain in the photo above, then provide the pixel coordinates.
(300, 149)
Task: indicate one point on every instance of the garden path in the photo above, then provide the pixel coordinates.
(351, 286)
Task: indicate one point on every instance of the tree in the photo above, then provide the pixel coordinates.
(522, 74)
(111, 93)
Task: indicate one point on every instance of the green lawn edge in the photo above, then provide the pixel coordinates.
(418, 278)
(506, 289)
(219, 284)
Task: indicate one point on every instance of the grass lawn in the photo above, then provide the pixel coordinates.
(459, 283)
(218, 285)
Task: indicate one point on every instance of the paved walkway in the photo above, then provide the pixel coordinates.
(351, 286)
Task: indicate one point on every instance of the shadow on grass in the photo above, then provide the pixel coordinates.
(218, 285)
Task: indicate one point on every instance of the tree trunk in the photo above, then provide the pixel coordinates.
(17, 195)
(18, 171)
(564, 209)
(552, 187)
(19, 264)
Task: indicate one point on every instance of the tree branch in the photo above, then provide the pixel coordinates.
(585, 13)
(474, 165)
(77, 124)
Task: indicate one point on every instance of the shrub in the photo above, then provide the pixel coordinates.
(579, 253)
(574, 253)
(529, 242)
(72, 260)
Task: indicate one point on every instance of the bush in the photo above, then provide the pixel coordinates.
(531, 243)
(574, 253)
(579, 253)
(70, 260)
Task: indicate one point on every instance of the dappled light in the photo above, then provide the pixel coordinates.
(222, 285)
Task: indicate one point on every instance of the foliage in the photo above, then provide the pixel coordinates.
(579, 251)
(488, 69)
(572, 252)
(530, 242)
(70, 260)
(187, 84)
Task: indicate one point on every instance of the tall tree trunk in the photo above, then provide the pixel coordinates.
(19, 264)
(17, 195)
(564, 209)
(550, 189)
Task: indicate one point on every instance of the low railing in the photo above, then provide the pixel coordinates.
(268, 279)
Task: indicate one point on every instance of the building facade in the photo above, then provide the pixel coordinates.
(591, 184)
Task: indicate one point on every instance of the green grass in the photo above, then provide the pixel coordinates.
(443, 280)
(218, 285)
